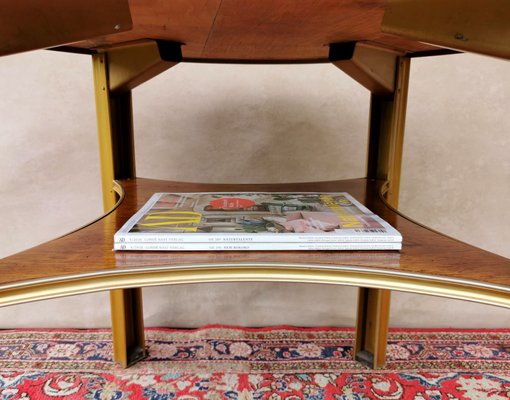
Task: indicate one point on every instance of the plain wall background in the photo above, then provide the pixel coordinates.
(217, 123)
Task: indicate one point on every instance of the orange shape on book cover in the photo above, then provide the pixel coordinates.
(232, 203)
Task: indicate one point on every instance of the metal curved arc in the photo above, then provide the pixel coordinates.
(262, 272)
(121, 194)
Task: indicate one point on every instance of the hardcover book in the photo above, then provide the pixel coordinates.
(255, 221)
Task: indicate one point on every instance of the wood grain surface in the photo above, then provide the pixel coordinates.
(89, 250)
(262, 30)
(44, 23)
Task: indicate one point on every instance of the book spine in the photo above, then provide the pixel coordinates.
(256, 238)
(255, 246)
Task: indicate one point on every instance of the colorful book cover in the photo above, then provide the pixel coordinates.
(255, 217)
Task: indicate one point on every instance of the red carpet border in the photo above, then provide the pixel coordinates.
(218, 362)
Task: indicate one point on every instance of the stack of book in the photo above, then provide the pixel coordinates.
(255, 221)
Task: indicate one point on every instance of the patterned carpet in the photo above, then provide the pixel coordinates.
(274, 363)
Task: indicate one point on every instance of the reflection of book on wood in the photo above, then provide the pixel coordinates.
(388, 259)
(256, 221)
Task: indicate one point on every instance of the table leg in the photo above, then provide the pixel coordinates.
(372, 326)
(116, 72)
(127, 326)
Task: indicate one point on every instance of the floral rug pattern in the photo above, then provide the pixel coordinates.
(272, 363)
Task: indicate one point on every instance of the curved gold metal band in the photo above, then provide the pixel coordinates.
(260, 272)
(119, 191)
(369, 277)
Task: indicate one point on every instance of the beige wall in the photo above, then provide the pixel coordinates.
(255, 124)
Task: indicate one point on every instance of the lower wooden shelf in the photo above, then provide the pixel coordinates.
(84, 261)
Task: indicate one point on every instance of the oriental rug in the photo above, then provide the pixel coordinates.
(217, 362)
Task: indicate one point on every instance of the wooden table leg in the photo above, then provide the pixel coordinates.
(127, 326)
(372, 326)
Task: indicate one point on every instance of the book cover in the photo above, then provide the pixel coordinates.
(256, 217)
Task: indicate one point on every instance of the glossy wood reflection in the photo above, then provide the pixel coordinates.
(90, 249)
(263, 30)
(43, 23)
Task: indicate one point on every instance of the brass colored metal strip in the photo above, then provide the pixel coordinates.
(118, 314)
(381, 300)
(479, 26)
(120, 194)
(387, 126)
(131, 65)
(372, 67)
(260, 272)
(396, 143)
(116, 152)
(127, 326)
(387, 122)
(372, 324)
(99, 63)
(115, 74)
